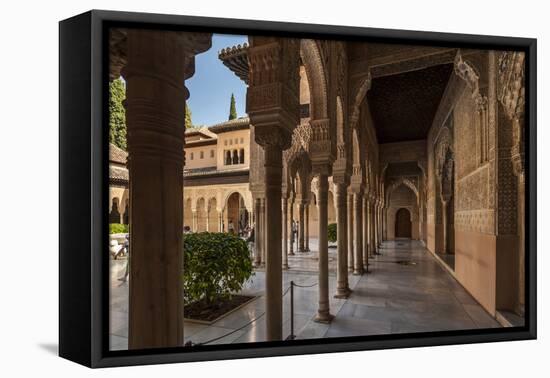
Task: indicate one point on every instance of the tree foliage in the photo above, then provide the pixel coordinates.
(232, 108)
(188, 115)
(118, 228)
(215, 265)
(331, 233)
(117, 113)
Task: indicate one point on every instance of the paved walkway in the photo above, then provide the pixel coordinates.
(393, 298)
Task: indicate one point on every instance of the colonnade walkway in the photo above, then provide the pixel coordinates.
(407, 290)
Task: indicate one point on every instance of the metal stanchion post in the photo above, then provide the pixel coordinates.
(291, 310)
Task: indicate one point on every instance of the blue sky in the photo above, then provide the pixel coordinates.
(212, 84)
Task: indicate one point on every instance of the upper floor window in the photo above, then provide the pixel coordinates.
(227, 157)
(191, 156)
(241, 156)
(242, 140)
(202, 154)
(211, 153)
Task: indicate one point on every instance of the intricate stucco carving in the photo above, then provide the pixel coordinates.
(358, 91)
(317, 78)
(511, 93)
(273, 93)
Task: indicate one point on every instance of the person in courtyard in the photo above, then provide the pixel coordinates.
(127, 251)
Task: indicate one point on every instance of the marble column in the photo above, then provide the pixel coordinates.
(273, 105)
(358, 229)
(207, 220)
(342, 284)
(158, 62)
(323, 312)
(376, 226)
(258, 232)
(273, 245)
(365, 234)
(379, 220)
(263, 230)
(284, 211)
(291, 223)
(195, 220)
(307, 227)
(351, 257)
(301, 220)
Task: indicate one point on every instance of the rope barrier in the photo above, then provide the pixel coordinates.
(305, 286)
(291, 336)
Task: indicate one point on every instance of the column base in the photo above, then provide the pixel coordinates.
(342, 293)
(291, 253)
(357, 273)
(285, 267)
(324, 317)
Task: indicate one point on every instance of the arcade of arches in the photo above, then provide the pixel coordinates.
(387, 141)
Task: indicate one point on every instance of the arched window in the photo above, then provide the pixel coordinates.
(241, 156)
(227, 157)
(235, 157)
(114, 215)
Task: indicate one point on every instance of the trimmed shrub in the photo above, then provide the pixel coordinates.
(215, 265)
(331, 231)
(117, 228)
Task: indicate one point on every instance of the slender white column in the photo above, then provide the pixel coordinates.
(307, 228)
(358, 229)
(258, 234)
(195, 221)
(285, 231)
(291, 222)
(301, 215)
(263, 213)
(351, 259)
(323, 312)
(342, 284)
(365, 234)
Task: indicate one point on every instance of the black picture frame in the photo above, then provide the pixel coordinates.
(83, 167)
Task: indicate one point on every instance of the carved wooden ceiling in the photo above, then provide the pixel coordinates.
(403, 105)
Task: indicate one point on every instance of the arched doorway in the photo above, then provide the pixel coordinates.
(403, 224)
(236, 214)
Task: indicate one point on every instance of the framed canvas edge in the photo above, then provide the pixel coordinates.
(99, 358)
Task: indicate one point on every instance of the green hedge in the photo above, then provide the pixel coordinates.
(117, 228)
(214, 265)
(331, 231)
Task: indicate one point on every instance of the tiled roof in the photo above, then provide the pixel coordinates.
(236, 59)
(117, 155)
(213, 171)
(235, 124)
(118, 174)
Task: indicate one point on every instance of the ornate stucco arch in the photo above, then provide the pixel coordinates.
(358, 93)
(247, 198)
(402, 181)
(316, 75)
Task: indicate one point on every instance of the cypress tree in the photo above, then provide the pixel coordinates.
(117, 113)
(188, 121)
(232, 108)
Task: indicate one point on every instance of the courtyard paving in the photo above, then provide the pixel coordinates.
(393, 298)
